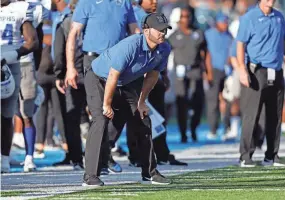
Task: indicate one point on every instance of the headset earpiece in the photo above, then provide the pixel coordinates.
(143, 22)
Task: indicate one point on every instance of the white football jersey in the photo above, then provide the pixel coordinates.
(12, 17)
(40, 13)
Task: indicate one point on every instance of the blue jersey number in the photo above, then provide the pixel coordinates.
(8, 33)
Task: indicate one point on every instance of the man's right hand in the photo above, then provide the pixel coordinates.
(60, 86)
(108, 111)
(71, 77)
(244, 77)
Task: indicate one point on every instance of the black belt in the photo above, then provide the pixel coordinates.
(90, 53)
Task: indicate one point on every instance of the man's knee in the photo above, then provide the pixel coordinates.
(27, 107)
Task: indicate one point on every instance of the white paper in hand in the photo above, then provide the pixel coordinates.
(156, 121)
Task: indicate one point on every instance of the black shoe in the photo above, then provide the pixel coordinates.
(66, 161)
(134, 164)
(184, 139)
(194, 137)
(156, 179)
(78, 166)
(113, 166)
(92, 181)
(173, 161)
(118, 151)
(104, 172)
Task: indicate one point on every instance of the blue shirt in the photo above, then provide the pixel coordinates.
(57, 19)
(264, 37)
(132, 58)
(219, 44)
(106, 22)
(233, 50)
(139, 14)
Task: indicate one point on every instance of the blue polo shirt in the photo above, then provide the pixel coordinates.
(106, 22)
(264, 37)
(233, 51)
(218, 44)
(139, 14)
(132, 58)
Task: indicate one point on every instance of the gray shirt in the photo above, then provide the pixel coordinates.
(186, 48)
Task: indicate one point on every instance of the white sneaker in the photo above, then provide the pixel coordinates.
(247, 164)
(229, 136)
(211, 136)
(29, 164)
(5, 164)
(277, 164)
(39, 154)
(267, 162)
(18, 140)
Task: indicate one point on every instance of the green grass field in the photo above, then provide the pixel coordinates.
(228, 183)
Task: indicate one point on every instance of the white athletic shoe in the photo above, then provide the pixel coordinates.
(211, 136)
(267, 162)
(39, 154)
(5, 164)
(230, 135)
(18, 140)
(247, 164)
(29, 164)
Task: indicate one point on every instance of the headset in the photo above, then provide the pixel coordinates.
(144, 25)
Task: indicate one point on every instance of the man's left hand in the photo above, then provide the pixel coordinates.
(143, 109)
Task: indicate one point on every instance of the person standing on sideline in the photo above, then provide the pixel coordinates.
(74, 98)
(156, 99)
(104, 23)
(16, 21)
(189, 47)
(28, 87)
(73, 142)
(217, 58)
(261, 36)
(111, 89)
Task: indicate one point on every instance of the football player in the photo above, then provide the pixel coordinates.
(15, 21)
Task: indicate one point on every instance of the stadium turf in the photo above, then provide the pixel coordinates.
(226, 183)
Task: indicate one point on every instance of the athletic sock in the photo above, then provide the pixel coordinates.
(30, 139)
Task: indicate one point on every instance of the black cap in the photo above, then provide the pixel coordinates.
(155, 20)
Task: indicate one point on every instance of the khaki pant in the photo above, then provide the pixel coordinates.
(28, 90)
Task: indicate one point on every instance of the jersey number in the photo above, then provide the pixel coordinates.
(8, 33)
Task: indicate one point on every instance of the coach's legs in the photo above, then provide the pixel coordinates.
(156, 99)
(251, 104)
(145, 144)
(274, 104)
(98, 131)
(75, 99)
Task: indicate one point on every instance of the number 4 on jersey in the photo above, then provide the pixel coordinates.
(8, 33)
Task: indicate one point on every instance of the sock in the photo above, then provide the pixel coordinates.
(235, 122)
(30, 139)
